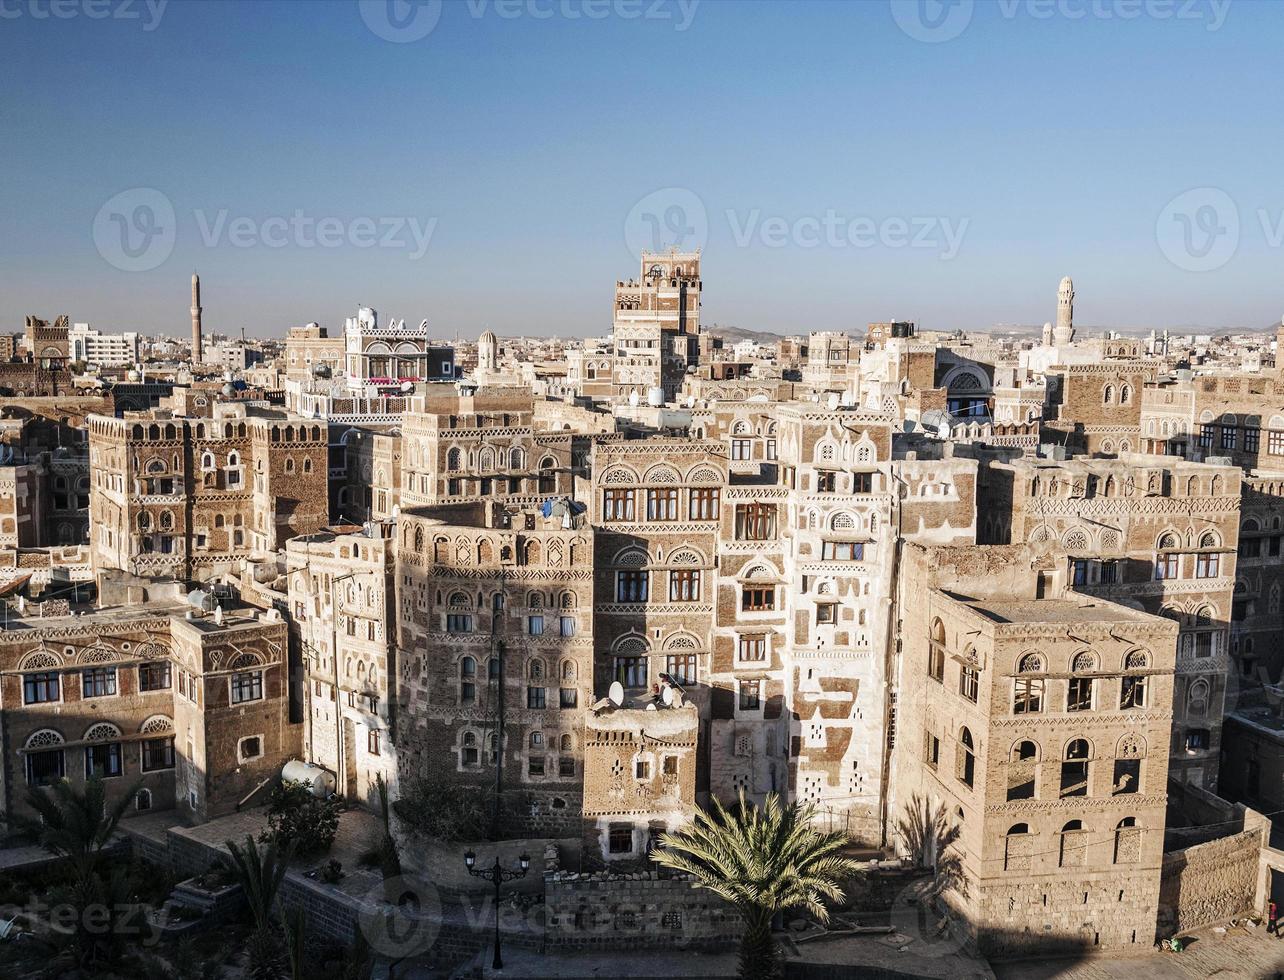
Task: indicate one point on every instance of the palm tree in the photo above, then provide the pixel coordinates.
(763, 861)
(260, 874)
(74, 824)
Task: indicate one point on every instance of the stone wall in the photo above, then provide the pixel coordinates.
(601, 910)
(1210, 882)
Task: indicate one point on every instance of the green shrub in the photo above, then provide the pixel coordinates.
(295, 815)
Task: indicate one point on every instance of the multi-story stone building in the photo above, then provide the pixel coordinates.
(187, 498)
(656, 327)
(1041, 725)
(495, 653)
(1154, 532)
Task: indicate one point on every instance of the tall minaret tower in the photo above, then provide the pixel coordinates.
(1064, 332)
(196, 318)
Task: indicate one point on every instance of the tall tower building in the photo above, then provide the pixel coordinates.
(488, 352)
(196, 318)
(1064, 332)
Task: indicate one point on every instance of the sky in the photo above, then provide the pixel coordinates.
(501, 163)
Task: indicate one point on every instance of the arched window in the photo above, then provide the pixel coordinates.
(453, 459)
(970, 676)
(1074, 768)
(515, 459)
(1127, 841)
(1018, 846)
(1074, 844)
(468, 757)
(467, 680)
(1022, 769)
(965, 763)
(1027, 693)
(1108, 394)
(936, 651)
(1125, 395)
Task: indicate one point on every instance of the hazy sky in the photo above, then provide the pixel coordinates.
(497, 164)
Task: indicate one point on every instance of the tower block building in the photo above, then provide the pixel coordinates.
(656, 330)
(196, 318)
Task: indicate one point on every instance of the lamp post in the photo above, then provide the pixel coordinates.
(496, 874)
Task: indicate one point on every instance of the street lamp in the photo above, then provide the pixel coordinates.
(496, 874)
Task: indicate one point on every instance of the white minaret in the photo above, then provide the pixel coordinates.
(487, 352)
(1064, 332)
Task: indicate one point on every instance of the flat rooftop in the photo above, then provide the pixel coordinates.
(1054, 612)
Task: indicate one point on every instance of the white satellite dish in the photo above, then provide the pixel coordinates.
(651, 706)
(616, 693)
(633, 398)
(666, 696)
(832, 401)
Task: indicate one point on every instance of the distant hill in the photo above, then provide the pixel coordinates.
(733, 335)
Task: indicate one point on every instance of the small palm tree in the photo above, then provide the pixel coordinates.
(76, 824)
(763, 861)
(260, 874)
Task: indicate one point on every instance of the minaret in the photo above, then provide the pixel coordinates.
(196, 318)
(1064, 332)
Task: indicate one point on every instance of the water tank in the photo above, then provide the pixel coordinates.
(319, 781)
(655, 397)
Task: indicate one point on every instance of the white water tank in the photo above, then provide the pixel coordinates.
(655, 397)
(320, 782)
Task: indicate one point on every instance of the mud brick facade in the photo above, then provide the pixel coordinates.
(1042, 725)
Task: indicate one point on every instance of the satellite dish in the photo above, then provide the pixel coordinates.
(616, 693)
(832, 401)
(666, 696)
(651, 706)
(633, 398)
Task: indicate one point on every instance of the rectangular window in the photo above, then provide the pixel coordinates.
(1132, 693)
(1027, 698)
(1079, 571)
(158, 753)
(631, 671)
(842, 550)
(566, 625)
(1127, 776)
(372, 741)
(1207, 565)
(862, 483)
(750, 695)
(753, 647)
(45, 768)
(459, 623)
(1252, 439)
(1074, 778)
(247, 686)
(1079, 697)
(755, 522)
(642, 769)
(1275, 442)
(758, 599)
(681, 667)
(534, 625)
(1197, 740)
(703, 504)
(670, 765)
(154, 676)
(568, 697)
(662, 504)
(826, 481)
(771, 449)
(1204, 644)
(566, 767)
(1250, 547)
(684, 585)
(535, 766)
(969, 682)
(535, 698)
(617, 505)
(631, 586)
(1110, 572)
(98, 682)
(932, 745)
(826, 613)
(1205, 437)
(741, 449)
(1228, 436)
(103, 760)
(40, 688)
(1167, 566)
(620, 838)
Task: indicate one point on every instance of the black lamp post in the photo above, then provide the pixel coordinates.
(496, 874)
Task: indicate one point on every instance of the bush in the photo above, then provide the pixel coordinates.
(295, 815)
(444, 810)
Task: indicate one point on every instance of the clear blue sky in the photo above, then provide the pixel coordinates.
(526, 141)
